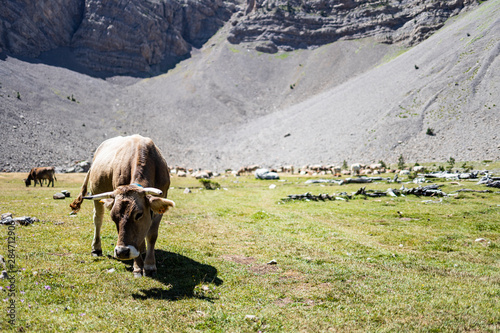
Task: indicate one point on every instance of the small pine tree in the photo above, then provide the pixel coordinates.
(345, 166)
(451, 163)
(401, 162)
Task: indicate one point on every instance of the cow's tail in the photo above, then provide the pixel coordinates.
(75, 205)
(54, 175)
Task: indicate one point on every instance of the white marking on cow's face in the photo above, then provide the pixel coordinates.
(132, 254)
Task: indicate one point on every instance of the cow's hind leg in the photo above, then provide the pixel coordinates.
(98, 216)
(150, 261)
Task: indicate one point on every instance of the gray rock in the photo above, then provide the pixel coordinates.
(266, 174)
(7, 221)
(59, 196)
(24, 220)
(267, 47)
(83, 166)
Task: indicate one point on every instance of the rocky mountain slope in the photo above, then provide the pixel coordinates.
(228, 104)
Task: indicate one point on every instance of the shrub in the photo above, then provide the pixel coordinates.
(430, 131)
(209, 184)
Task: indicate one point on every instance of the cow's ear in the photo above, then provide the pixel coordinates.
(108, 203)
(160, 205)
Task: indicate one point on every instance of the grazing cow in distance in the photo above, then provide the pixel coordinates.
(337, 170)
(355, 169)
(247, 169)
(199, 174)
(129, 177)
(38, 174)
(419, 168)
(288, 169)
(375, 166)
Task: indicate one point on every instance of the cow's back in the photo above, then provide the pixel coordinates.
(123, 160)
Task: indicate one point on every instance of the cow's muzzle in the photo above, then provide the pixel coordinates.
(126, 252)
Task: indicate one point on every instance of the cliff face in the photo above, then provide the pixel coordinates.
(291, 24)
(28, 27)
(147, 35)
(131, 36)
(110, 35)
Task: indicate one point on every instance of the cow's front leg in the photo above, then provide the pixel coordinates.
(138, 266)
(150, 261)
(98, 216)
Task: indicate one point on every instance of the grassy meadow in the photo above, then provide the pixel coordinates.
(367, 264)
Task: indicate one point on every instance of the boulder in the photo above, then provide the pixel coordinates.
(266, 174)
(58, 196)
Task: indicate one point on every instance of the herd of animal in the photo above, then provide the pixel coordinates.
(311, 170)
(130, 178)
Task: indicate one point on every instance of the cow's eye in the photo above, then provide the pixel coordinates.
(138, 216)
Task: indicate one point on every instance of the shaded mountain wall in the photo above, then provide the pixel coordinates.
(149, 36)
(113, 36)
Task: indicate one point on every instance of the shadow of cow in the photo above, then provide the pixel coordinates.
(180, 275)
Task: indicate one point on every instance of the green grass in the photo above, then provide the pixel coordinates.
(355, 265)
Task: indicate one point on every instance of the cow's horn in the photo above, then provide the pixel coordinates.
(100, 196)
(153, 191)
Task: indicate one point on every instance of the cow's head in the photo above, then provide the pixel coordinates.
(132, 208)
(27, 181)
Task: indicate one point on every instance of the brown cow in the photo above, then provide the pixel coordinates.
(38, 174)
(130, 177)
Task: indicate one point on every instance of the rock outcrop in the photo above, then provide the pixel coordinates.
(113, 36)
(136, 36)
(292, 24)
(149, 35)
(28, 28)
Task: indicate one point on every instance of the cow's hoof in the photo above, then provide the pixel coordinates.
(138, 274)
(150, 273)
(97, 253)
